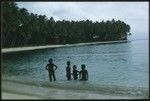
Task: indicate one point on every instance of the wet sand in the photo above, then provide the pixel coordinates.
(6, 95)
(13, 90)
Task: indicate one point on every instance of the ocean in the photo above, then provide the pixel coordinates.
(118, 68)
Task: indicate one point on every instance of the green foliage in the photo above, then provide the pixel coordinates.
(21, 28)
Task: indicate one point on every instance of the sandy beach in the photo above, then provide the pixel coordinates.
(66, 95)
(14, 90)
(6, 50)
(6, 95)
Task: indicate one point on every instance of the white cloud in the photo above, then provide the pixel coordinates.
(133, 13)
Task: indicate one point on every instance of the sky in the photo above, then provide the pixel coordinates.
(136, 14)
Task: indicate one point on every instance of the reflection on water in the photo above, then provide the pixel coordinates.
(122, 64)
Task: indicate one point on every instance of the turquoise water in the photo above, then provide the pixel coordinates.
(122, 66)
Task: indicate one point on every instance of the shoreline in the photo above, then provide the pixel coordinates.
(17, 49)
(32, 92)
(8, 95)
(14, 90)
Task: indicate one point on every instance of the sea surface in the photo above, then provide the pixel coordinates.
(121, 68)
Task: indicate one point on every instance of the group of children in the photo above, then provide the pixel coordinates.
(83, 74)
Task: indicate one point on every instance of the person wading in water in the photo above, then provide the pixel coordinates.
(83, 73)
(51, 70)
(75, 72)
(68, 71)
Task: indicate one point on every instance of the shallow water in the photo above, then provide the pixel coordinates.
(122, 65)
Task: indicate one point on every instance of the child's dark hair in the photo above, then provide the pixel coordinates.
(50, 60)
(83, 66)
(68, 62)
(74, 66)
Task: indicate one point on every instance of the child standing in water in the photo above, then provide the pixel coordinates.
(51, 70)
(75, 72)
(83, 73)
(68, 71)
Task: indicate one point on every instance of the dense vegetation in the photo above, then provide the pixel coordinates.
(21, 28)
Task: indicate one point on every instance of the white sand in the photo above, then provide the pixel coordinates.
(6, 95)
(6, 50)
(14, 90)
(16, 96)
(65, 94)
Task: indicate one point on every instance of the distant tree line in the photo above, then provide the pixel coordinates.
(21, 28)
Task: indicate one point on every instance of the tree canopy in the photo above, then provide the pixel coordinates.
(21, 28)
